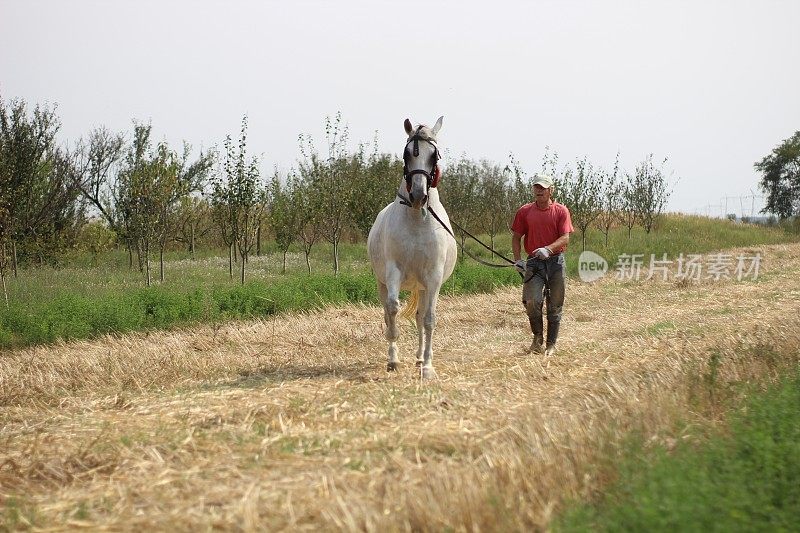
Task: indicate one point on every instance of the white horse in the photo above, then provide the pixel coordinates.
(410, 249)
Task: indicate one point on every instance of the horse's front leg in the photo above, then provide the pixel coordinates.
(390, 296)
(420, 316)
(428, 313)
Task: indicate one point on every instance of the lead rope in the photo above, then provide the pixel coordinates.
(404, 201)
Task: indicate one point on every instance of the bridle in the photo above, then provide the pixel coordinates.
(432, 176)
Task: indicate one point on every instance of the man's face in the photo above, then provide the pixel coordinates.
(540, 193)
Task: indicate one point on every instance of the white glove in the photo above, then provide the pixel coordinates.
(542, 253)
(520, 266)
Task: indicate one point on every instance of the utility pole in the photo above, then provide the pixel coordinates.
(725, 199)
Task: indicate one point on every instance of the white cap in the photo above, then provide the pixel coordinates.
(544, 180)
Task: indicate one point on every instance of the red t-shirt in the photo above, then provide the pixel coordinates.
(542, 227)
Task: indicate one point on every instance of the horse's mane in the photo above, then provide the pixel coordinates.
(424, 132)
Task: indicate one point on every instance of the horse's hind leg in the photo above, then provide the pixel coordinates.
(390, 296)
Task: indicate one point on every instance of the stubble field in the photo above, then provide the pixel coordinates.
(292, 422)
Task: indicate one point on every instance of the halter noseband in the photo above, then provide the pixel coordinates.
(431, 177)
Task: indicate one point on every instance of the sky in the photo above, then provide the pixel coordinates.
(710, 85)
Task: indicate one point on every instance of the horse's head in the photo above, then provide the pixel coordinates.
(421, 161)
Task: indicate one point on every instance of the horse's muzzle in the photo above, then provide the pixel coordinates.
(418, 195)
(417, 200)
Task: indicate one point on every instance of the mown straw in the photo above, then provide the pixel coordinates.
(292, 422)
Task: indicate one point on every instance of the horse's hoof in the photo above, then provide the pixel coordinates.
(391, 367)
(427, 372)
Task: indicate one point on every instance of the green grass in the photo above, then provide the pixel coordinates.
(17, 516)
(674, 234)
(79, 313)
(661, 327)
(89, 296)
(746, 479)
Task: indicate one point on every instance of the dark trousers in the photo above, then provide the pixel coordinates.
(544, 283)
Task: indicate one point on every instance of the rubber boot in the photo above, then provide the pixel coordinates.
(537, 327)
(536, 345)
(552, 337)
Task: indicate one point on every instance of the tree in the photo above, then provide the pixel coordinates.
(96, 237)
(148, 191)
(376, 185)
(333, 180)
(140, 190)
(581, 192)
(309, 223)
(7, 188)
(221, 215)
(612, 201)
(650, 192)
(628, 214)
(520, 190)
(193, 221)
(178, 180)
(49, 218)
(780, 178)
(239, 196)
(41, 212)
(550, 167)
(97, 162)
(494, 194)
(283, 213)
(169, 188)
(461, 194)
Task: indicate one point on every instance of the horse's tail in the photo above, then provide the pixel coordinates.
(410, 308)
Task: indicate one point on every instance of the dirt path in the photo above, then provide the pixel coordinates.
(292, 422)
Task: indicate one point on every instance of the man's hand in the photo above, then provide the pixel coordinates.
(542, 253)
(520, 266)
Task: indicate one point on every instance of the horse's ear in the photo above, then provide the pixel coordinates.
(407, 125)
(437, 126)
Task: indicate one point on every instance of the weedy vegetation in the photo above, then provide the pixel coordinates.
(741, 476)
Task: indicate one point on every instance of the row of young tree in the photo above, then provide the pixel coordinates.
(606, 199)
(39, 205)
(485, 196)
(152, 197)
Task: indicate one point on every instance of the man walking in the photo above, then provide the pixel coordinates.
(546, 226)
